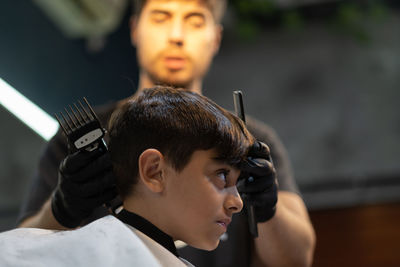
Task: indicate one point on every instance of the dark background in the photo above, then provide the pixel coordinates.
(324, 75)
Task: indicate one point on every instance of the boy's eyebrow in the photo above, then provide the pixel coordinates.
(221, 160)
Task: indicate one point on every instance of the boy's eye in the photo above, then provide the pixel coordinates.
(221, 179)
(222, 176)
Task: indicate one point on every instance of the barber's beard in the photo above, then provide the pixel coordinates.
(157, 80)
(161, 76)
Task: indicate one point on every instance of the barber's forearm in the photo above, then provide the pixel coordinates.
(288, 239)
(43, 219)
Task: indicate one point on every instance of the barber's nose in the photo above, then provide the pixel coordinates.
(233, 201)
(176, 35)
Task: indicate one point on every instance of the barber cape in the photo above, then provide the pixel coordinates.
(104, 242)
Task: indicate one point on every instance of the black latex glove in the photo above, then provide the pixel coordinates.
(85, 182)
(257, 183)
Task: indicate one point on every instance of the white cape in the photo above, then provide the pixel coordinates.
(104, 242)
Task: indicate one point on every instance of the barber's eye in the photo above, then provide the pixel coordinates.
(196, 21)
(159, 17)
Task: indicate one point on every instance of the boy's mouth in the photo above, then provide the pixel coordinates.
(224, 222)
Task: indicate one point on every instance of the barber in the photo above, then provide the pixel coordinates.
(175, 43)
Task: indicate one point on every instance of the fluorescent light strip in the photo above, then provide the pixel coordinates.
(25, 110)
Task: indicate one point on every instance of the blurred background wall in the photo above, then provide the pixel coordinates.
(324, 74)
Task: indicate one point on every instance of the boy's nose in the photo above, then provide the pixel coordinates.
(233, 201)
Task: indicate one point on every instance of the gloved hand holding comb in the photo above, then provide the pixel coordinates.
(257, 183)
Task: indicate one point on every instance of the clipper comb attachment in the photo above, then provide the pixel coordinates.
(84, 132)
(82, 127)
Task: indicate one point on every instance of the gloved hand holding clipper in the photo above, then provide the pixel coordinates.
(85, 179)
(85, 182)
(257, 183)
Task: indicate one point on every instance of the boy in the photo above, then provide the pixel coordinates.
(176, 156)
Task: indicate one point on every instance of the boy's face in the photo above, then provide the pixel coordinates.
(175, 40)
(201, 200)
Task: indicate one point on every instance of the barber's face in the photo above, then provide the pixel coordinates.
(175, 40)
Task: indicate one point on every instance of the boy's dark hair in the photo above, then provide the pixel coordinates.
(177, 123)
(217, 7)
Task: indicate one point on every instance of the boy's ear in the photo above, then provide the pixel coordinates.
(151, 163)
(133, 26)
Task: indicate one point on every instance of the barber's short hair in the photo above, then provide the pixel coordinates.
(177, 123)
(217, 7)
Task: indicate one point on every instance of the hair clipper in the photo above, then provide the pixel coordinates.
(84, 132)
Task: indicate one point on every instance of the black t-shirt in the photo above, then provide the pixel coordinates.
(235, 251)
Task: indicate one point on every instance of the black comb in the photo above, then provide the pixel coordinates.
(239, 109)
(82, 127)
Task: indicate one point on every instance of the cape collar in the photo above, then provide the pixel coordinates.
(148, 229)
